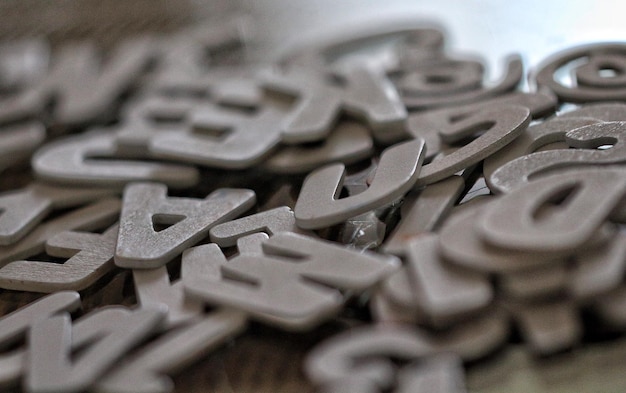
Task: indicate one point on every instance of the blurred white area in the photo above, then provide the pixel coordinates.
(489, 28)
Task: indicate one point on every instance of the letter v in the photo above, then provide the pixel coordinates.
(52, 340)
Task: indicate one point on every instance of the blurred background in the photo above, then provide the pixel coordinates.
(491, 28)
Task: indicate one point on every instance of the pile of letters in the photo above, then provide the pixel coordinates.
(437, 214)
